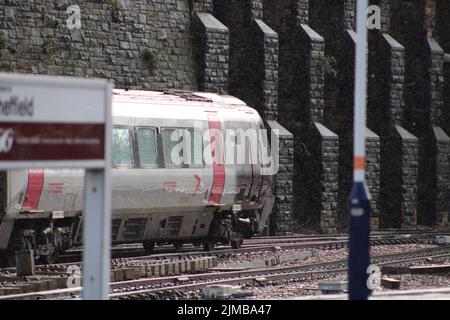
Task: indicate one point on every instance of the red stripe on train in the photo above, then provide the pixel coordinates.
(34, 189)
(218, 166)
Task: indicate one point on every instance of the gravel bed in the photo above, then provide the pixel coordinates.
(296, 287)
(290, 289)
(430, 261)
(421, 281)
(310, 287)
(322, 256)
(301, 287)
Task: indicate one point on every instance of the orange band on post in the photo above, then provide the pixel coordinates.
(359, 163)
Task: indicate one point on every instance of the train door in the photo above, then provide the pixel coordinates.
(216, 151)
(255, 155)
(237, 157)
(135, 168)
(187, 179)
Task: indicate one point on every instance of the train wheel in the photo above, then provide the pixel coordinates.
(178, 245)
(49, 258)
(148, 246)
(236, 244)
(3, 261)
(196, 244)
(8, 260)
(208, 245)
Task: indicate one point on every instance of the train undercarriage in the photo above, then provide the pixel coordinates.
(49, 235)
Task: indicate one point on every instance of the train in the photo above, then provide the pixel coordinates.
(175, 179)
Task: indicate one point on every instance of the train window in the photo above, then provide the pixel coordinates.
(146, 139)
(123, 155)
(182, 147)
(172, 146)
(196, 154)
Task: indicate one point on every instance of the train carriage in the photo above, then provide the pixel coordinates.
(187, 168)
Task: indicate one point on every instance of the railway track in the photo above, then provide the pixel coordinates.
(157, 287)
(317, 271)
(287, 242)
(263, 244)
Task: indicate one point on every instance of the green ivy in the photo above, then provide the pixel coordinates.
(115, 4)
(150, 60)
(328, 66)
(52, 47)
(7, 68)
(4, 42)
(61, 47)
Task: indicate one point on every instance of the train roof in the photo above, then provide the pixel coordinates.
(177, 104)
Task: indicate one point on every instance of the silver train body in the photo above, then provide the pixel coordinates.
(174, 179)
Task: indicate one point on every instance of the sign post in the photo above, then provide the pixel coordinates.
(359, 198)
(56, 122)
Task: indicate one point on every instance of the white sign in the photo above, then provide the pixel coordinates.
(65, 123)
(53, 121)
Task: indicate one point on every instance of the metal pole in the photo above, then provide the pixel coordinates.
(97, 220)
(359, 198)
(97, 238)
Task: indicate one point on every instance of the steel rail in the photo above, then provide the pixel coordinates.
(242, 276)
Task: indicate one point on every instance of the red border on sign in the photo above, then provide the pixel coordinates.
(51, 141)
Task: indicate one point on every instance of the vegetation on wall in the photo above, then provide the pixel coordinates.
(52, 47)
(328, 66)
(62, 48)
(4, 41)
(116, 7)
(150, 60)
(115, 4)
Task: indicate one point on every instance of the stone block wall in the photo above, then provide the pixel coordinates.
(399, 148)
(442, 205)
(292, 60)
(253, 55)
(286, 14)
(316, 173)
(434, 81)
(238, 16)
(301, 110)
(316, 178)
(254, 78)
(283, 220)
(265, 95)
(339, 118)
(203, 5)
(350, 14)
(399, 177)
(331, 19)
(373, 154)
(290, 67)
(328, 154)
(446, 103)
(112, 43)
(442, 25)
(211, 53)
(339, 35)
(385, 6)
(442, 35)
(301, 77)
(386, 83)
(413, 24)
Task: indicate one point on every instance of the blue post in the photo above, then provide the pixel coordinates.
(359, 258)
